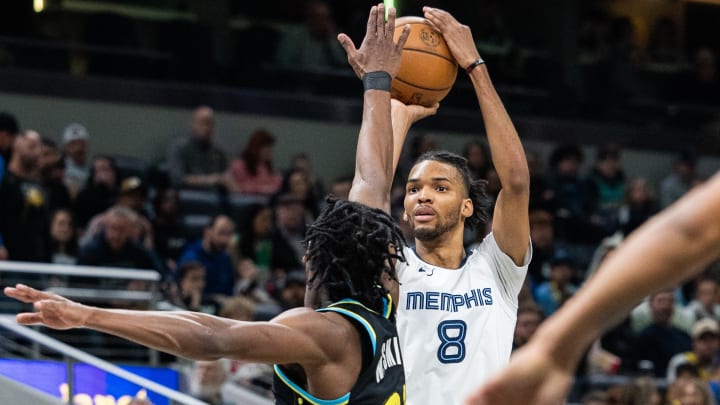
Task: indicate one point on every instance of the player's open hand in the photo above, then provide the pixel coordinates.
(51, 309)
(532, 377)
(457, 36)
(378, 51)
(411, 113)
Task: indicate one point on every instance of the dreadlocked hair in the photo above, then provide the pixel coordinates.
(349, 247)
(476, 188)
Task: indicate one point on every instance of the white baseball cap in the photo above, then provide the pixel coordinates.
(74, 132)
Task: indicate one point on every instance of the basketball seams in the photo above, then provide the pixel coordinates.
(420, 87)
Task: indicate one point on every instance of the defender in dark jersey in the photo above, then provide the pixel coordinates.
(344, 352)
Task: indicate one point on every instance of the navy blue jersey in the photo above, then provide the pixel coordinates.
(381, 380)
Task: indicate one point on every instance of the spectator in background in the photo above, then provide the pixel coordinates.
(640, 391)
(340, 187)
(188, 294)
(195, 161)
(659, 341)
(52, 175)
(478, 157)
(542, 234)
(705, 304)
(568, 190)
(605, 188)
(253, 172)
(24, 211)
(63, 238)
(100, 191)
(689, 391)
(132, 194)
(115, 245)
(314, 44)
(302, 162)
(290, 221)
(639, 204)
(297, 185)
(529, 318)
(259, 254)
(170, 234)
(705, 344)
(553, 293)
(211, 251)
(595, 398)
(541, 196)
(9, 129)
(75, 148)
(683, 177)
(292, 292)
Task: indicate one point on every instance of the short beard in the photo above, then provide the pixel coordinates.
(427, 235)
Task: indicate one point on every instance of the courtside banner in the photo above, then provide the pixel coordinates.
(92, 385)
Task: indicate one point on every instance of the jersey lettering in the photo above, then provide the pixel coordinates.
(440, 301)
(390, 357)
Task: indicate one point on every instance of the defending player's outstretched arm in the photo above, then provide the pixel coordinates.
(289, 338)
(376, 62)
(676, 244)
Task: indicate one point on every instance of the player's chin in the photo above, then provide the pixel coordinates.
(425, 232)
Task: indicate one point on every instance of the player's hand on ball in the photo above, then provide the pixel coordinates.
(411, 113)
(457, 36)
(51, 309)
(378, 51)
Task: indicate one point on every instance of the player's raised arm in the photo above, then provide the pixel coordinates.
(511, 226)
(673, 246)
(376, 62)
(191, 334)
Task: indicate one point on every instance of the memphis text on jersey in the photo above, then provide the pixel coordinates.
(441, 301)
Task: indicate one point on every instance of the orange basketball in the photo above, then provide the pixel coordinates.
(427, 69)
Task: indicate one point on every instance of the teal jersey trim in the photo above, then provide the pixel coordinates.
(345, 399)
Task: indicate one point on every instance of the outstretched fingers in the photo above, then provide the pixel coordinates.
(24, 293)
(29, 318)
(372, 23)
(347, 44)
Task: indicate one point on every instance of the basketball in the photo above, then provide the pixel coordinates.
(427, 69)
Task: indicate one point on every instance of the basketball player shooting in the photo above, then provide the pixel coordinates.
(342, 347)
(457, 308)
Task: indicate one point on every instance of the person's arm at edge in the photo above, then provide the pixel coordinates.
(191, 335)
(675, 245)
(511, 226)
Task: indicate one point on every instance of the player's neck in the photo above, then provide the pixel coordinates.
(446, 251)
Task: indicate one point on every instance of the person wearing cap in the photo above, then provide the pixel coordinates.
(75, 147)
(551, 294)
(705, 344)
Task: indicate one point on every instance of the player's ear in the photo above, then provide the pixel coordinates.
(467, 208)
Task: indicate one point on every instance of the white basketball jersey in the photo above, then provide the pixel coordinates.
(456, 326)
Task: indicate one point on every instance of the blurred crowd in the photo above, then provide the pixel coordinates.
(225, 233)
